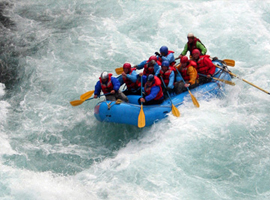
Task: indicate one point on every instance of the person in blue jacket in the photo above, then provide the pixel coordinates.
(165, 54)
(110, 87)
(130, 78)
(167, 74)
(153, 91)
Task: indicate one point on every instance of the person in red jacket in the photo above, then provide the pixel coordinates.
(204, 66)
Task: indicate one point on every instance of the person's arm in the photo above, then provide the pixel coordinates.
(191, 71)
(97, 89)
(116, 84)
(153, 93)
(171, 80)
(132, 76)
(184, 52)
(120, 79)
(170, 58)
(141, 65)
(158, 72)
(201, 47)
(157, 69)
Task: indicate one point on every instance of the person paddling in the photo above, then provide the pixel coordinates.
(204, 66)
(168, 76)
(130, 78)
(189, 74)
(153, 91)
(110, 87)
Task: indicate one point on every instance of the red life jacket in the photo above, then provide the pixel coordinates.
(192, 46)
(166, 75)
(131, 85)
(157, 82)
(106, 87)
(183, 71)
(160, 59)
(148, 70)
(201, 66)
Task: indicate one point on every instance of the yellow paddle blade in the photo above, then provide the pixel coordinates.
(76, 102)
(141, 118)
(118, 101)
(194, 100)
(224, 81)
(229, 62)
(86, 95)
(119, 70)
(175, 111)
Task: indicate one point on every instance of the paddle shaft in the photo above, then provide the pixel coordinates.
(141, 117)
(165, 89)
(243, 80)
(222, 80)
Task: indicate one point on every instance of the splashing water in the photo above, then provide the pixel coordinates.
(54, 51)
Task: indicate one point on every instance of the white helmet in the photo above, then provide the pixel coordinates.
(104, 75)
(190, 35)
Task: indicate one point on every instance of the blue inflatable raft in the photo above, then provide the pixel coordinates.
(127, 113)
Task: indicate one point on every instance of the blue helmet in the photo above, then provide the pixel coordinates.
(165, 63)
(150, 77)
(164, 50)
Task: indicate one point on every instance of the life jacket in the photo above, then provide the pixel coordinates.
(160, 59)
(148, 69)
(108, 86)
(131, 85)
(192, 46)
(148, 88)
(183, 71)
(166, 75)
(201, 66)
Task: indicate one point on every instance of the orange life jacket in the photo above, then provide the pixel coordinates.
(157, 82)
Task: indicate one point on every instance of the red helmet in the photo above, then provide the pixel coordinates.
(184, 59)
(127, 66)
(196, 51)
(152, 58)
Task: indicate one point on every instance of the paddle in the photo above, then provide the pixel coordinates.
(175, 111)
(119, 70)
(194, 100)
(87, 95)
(222, 80)
(79, 102)
(141, 117)
(243, 79)
(83, 98)
(229, 62)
